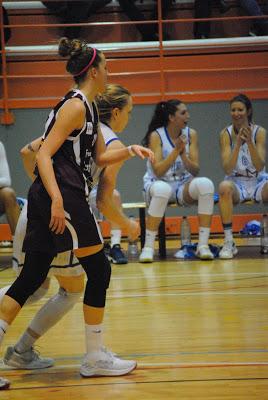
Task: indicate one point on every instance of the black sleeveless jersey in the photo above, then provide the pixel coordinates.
(73, 161)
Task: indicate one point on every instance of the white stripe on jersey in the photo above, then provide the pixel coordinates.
(76, 148)
(71, 230)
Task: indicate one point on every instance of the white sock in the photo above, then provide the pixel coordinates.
(3, 291)
(25, 342)
(228, 236)
(3, 329)
(150, 238)
(93, 337)
(115, 236)
(203, 236)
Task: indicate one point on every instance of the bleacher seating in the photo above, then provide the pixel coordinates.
(29, 12)
(190, 72)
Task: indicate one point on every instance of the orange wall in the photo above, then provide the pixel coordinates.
(172, 225)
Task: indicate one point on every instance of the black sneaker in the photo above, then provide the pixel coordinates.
(116, 255)
(107, 249)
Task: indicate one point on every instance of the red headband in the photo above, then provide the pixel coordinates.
(89, 64)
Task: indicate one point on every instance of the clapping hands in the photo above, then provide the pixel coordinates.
(244, 134)
(180, 143)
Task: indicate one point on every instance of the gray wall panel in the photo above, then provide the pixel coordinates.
(207, 118)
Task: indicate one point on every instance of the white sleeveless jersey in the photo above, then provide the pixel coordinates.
(244, 168)
(108, 136)
(177, 172)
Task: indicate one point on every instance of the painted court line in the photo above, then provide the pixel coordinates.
(195, 274)
(187, 294)
(157, 365)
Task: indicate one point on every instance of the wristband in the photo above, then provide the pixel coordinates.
(131, 152)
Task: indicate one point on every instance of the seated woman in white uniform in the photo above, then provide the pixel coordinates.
(8, 201)
(171, 178)
(115, 106)
(243, 159)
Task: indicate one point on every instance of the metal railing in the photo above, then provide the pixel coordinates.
(7, 117)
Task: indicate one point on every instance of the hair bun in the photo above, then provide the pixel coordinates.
(64, 47)
(71, 48)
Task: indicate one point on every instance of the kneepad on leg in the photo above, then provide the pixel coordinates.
(202, 190)
(37, 295)
(98, 270)
(33, 274)
(53, 310)
(160, 193)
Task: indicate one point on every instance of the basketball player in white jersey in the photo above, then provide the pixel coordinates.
(243, 159)
(172, 177)
(8, 202)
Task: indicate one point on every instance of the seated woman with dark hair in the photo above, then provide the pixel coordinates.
(243, 160)
(173, 175)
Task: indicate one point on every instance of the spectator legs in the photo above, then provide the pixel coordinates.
(134, 14)
(251, 7)
(202, 9)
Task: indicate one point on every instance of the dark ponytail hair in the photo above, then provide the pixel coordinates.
(160, 117)
(80, 55)
(242, 98)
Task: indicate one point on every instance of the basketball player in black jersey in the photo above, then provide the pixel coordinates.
(59, 216)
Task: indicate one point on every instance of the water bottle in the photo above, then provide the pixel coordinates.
(264, 234)
(133, 250)
(185, 232)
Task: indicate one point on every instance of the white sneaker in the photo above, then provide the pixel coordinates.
(180, 253)
(228, 251)
(203, 252)
(30, 359)
(4, 384)
(105, 363)
(147, 255)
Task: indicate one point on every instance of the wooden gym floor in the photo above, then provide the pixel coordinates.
(197, 329)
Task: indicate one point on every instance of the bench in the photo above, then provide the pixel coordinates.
(141, 206)
(5, 233)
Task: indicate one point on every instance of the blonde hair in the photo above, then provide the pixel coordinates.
(115, 96)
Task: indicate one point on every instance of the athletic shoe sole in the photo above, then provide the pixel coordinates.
(146, 261)
(105, 372)
(4, 384)
(113, 261)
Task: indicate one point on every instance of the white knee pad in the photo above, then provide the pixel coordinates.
(54, 309)
(37, 295)
(160, 193)
(202, 190)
